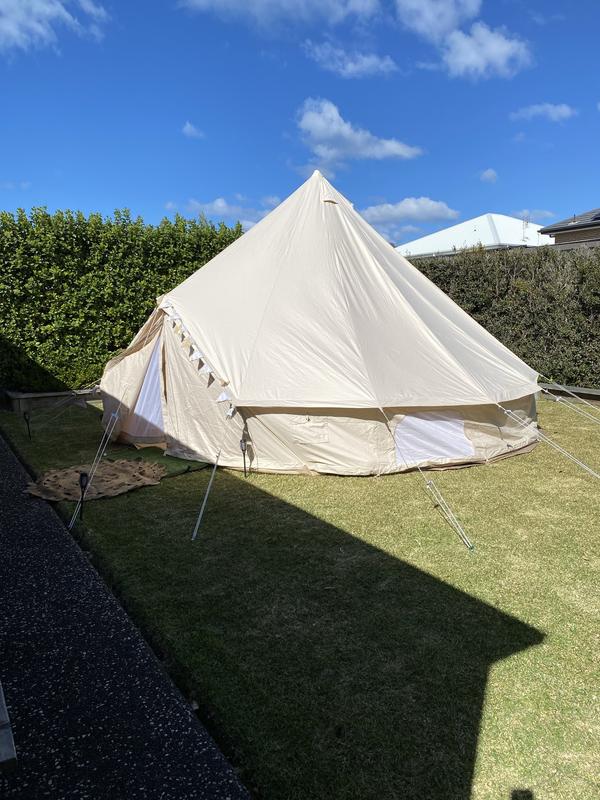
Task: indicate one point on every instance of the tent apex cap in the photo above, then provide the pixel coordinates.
(317, 173)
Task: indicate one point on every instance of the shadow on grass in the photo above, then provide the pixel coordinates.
(334, 670)
(359, 675)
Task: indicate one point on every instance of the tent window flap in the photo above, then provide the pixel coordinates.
(431, 436)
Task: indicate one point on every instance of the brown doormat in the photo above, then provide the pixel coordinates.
(111, 478)
(174, 466)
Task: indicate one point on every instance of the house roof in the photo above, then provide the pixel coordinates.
(590, 219)
(488, 230)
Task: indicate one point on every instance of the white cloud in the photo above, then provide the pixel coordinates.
(420, 209)
(170, 205)
(348, 65)
(483, 53)
(555, 112)
(268, 12)
(221, 210)
(191, 131)
(218, 208)
(271, 200)
(390, 218)
(479, 53)
(94, 10)
(9, 186)
(429, 66)
(394, 233)
(489, 175)
(98, 16)
(541, 19)
(435, 19)
(534, 214)
(33, 23)
(333, 140)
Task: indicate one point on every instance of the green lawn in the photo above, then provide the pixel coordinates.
(343, 643)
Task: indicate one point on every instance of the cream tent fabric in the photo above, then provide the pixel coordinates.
(320, 340)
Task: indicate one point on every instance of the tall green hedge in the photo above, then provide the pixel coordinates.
(75, 289)
(542, 303)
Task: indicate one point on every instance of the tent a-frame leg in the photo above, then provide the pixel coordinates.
(206, 493)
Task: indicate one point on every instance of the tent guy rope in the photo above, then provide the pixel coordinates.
(104, 442)
(438, 498)
(447, 512)
(568, 391)
(544, 438)
(563, 401)
(97, 458)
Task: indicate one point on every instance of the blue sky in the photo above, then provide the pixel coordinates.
(422, 112)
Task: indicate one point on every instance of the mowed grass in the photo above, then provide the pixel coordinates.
(343, 643)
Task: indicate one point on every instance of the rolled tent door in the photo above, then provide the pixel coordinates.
(144, 424)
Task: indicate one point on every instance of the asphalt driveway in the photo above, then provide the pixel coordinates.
(93, 713)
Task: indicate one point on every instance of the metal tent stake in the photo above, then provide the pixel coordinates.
(243, 448)
(447, 512)
(104, 442)
(83, 482)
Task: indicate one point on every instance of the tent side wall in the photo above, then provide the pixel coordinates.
(339, 441)
(166, 395)
(352, 442)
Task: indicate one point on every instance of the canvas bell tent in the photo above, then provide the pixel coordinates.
(322, 348)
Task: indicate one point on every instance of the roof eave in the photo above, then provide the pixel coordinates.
(550, 230)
